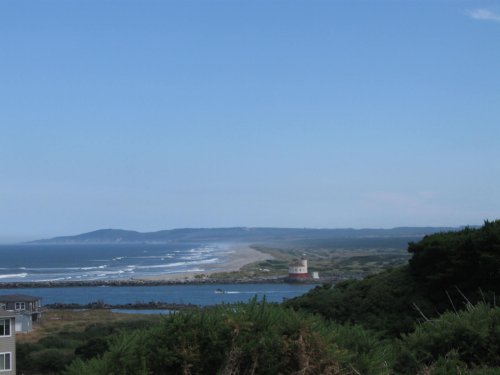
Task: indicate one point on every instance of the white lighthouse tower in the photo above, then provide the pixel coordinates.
(297, 270)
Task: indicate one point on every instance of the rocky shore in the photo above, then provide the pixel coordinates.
(141, 282)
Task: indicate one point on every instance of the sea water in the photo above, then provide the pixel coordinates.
(201, 295)
(105, 262)
(121, 261)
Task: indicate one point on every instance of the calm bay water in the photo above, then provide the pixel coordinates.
(202, 295)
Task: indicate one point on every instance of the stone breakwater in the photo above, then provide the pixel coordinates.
(137, 282)
(90, 283)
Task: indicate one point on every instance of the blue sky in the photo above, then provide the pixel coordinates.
(151, 115)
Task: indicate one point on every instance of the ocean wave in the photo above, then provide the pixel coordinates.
(50, 269)
(188, 270)
(151, 257)
(208, 261)
(180, 264)
(117, 265)
(92, 268)
(193, 257)
(167, 265)
(14, 275)
(104, 273)
(203, 250)
(199, 252)
(56, 279)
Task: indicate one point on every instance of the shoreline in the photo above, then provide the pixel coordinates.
(238, 256)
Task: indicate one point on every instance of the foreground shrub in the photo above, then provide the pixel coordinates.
(253, 338)
(382, 302)
(469, 338)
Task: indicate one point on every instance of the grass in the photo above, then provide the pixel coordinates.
(63, 335)
(55, 322)
(330, 261)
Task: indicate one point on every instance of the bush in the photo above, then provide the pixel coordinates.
(92, 348)
(50, 361)
(468, 260)
(444, 268)
(382, 302)
(470, 337)
(249, 338)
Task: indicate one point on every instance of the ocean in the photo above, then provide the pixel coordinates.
(105, 262)
(108, 262)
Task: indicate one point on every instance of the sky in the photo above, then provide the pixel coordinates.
(150, 115)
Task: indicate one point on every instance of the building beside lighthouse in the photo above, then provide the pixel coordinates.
(297, 270)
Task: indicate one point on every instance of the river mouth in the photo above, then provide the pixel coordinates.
(188, 294)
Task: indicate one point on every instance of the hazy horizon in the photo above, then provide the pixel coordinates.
(148, 115)
(7, 241)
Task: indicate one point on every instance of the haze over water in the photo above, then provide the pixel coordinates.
(101, 262)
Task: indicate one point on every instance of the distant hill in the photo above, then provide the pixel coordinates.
(239, 234)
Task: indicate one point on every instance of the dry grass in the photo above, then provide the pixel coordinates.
(54, 321)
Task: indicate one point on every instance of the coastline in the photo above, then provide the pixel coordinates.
(237, 256)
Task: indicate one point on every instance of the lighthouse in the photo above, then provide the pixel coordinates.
(297, 270)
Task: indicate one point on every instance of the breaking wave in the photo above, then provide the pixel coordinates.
(14, 275)
(93, 262)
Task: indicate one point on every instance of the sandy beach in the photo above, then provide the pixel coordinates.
(237, 255)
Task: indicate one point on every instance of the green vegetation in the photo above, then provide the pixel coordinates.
(446, 271)
(436, 315)
(465, 262)
(243, 339)
(383, 302)
(65, 335)
(337, 258)
(468, 338)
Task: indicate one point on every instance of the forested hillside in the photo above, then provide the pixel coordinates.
(446, 271)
